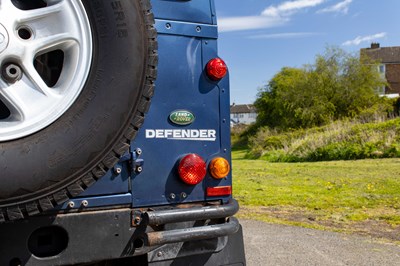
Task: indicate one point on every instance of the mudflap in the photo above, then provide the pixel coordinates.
(229, 250)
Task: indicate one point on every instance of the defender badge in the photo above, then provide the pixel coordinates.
(181, 117)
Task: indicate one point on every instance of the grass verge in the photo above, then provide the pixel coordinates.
(351, 196)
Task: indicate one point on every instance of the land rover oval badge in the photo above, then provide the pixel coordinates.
(181, 117)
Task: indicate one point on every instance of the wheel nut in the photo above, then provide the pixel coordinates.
(11, 73)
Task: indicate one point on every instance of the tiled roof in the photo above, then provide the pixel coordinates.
(383, 54)
(242, 109)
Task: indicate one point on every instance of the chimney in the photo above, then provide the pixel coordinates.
(375, 45)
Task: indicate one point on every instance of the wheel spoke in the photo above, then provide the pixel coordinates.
(7, 5)
(42, 44)
(40, 36)
(22, 100)
(35, 81)
(26, 16)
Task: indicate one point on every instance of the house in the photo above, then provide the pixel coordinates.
(243, 114)
(389, 59)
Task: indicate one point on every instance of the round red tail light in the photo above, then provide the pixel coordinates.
(192, 169)
(216, 69)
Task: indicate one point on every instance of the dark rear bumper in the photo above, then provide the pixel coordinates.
(194, 233)
(191, 214)
(225, 226)
(117, 233)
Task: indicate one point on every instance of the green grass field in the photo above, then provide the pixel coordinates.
(351, 196)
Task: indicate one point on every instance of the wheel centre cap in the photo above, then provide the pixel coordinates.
(3, 38)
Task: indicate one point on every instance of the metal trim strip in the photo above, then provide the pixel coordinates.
(98, 201)
(186, 29)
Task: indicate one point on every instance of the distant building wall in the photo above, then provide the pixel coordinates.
(389, 59)
(246, 119)
(243, 114)
(393, 78)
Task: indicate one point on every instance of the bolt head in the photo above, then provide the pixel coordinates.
(137, 220)
(117, 170)
(139, 169)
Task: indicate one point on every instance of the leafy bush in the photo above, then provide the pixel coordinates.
(338, 85)
(239, 139)
(341, 140)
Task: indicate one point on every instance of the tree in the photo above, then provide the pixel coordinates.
(337, 85)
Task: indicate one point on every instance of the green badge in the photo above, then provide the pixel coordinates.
(182, 117)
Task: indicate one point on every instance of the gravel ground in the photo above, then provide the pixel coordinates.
(270, 244)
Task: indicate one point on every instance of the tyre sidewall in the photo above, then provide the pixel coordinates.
(38, 165)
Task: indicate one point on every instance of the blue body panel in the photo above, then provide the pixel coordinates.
(181, 86)
(197, 11)
(187, 38)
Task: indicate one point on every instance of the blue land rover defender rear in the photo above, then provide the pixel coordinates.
(114, 135)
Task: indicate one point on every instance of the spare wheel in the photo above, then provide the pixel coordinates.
(76, 80)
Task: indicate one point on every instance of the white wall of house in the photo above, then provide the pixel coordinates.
(243, 118)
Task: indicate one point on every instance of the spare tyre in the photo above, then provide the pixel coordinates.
(76, 81)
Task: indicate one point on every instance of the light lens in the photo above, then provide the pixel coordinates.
(219, 191)
(219, 168)
(216, 69)
(192, 169)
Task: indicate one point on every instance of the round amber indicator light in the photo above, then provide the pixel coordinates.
(219, 168)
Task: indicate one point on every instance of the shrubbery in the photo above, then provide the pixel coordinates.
(342, 140)
(238, 139)
(325, 111)
(338, 85)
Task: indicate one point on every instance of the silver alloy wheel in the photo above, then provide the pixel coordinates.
(57, 34)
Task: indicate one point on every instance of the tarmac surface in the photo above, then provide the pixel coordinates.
(270, 244)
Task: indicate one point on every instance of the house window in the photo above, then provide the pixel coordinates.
(382, 69)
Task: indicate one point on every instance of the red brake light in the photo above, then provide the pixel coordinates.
(192, 169)
(216, 69)
(219, 191)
